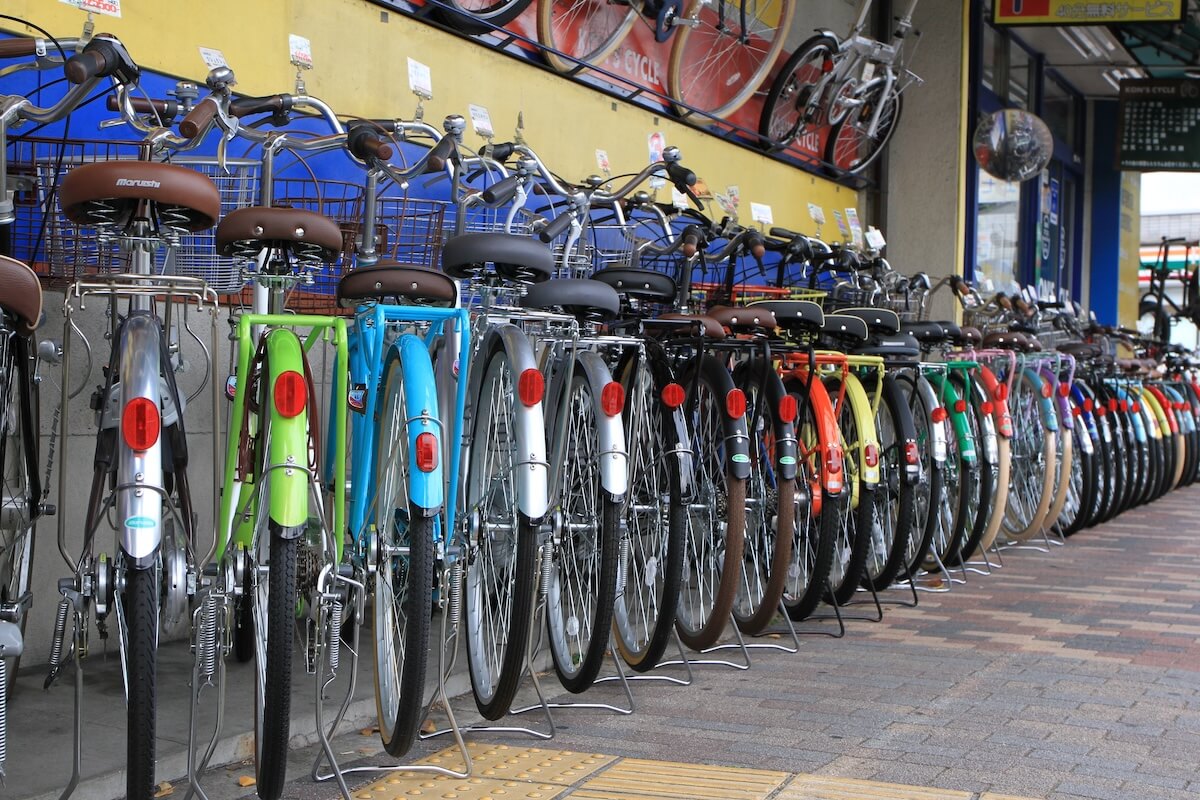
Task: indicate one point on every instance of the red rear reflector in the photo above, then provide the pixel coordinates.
(1076, 411)
(1047, 389)
(1112, 404)
(960, 406)
(986, 407)
(140, 423)
(427, 452)
(1064, 389)
(939, 414)
(612, 398)
(787, 408)
(1100, 411)
(1137, 408)
(1088, 405)
(1124, 406)
(827, 65)
(1002, 392)
(291, 393)
(833, 458)
(871, 454)
(735, 403)
(530, 387)
(673, 395)
(911, 455)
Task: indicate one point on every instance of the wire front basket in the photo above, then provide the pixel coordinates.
(60, 251)
(410, 231)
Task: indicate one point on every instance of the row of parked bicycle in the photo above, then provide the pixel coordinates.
(550, 412)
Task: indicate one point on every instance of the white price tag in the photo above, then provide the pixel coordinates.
(816, 213)
(213, 58)
(735, 195)
(602, 161)
(876, 240)
(679, 199)
(761, 212)
(300, 51)
(110, 8)
(481, 120)
(726, 203)
(841, 223)
(856, 231)
(656, 143)
(420, 79)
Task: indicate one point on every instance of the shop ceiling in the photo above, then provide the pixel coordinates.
(1096, 58)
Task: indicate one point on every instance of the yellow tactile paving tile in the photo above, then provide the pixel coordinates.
(821, 787)
(562, 767)
(639, 779)
(407, 786)
(990, 796)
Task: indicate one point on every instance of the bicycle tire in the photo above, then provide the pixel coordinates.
(716, 529)
(18, 481)
(274, 685)
(1081, 485)
(583, 584)
(894, 512)
(479, 18)
(655, 514)
(1033, 451)
(816, 518)
(979, 506)
(1114, 463)
(770, 501)
(846, 142)
(1064, 458)
(496, 657)
(140, 605)
(930, 487)
(560, 30)
(718, 54)
(403, 600)
(856, 508)
(791, 91)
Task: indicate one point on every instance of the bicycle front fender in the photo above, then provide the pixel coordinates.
(139, 473)
(425, 489)
(614, 456)
(287, 482)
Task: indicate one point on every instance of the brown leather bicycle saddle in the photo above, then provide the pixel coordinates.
(970, 336)
(744, 319)
(307, 234)
(1005, 340)
(392, 279)
(670, 325)
(20, 294)
(107, 192)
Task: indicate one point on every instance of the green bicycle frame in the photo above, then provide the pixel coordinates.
(289, 436)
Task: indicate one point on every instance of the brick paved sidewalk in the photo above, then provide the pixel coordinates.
(1069, 674)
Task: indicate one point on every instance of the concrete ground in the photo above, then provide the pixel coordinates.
(1068, 674)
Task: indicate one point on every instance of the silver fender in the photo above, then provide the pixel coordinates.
(614, 457)
(139, 475)
(929, 398)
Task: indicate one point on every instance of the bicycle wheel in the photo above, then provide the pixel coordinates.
(791, 110)
(403, 600)
(479, 16)
(139, 602)
(928, 495)
(980, 494)
(19, 496)
(770, 500)
(855, 508)
(719, 62)
(1153, 321)
(716, 511)
(1081, 484)
(960, 484)
(816, 518)
(893, 515)
(501, 565)
(655, 515)
(851, 147)
(584, 31)
(1033, 453)
(582, 590)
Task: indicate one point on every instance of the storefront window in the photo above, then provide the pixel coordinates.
(998, 235)
(992, 44)
(1059, 111)
(1019, 68)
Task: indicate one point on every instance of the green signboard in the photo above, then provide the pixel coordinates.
(1158, 126)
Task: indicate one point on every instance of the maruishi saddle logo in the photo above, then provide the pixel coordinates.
(138, 183)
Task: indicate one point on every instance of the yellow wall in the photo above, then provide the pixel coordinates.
(360, 55)
(1129, 256)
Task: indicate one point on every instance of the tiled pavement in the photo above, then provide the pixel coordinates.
(1068, 674)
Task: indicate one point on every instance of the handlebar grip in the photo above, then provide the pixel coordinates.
(165, 109)
(959, 285)
(501, 191)
(271, 104)
(366, 144)
(692, 238)
(104, 55)
(679, 174)
(557, 226)
(198, 119)
(1003, 301)
(754, 244)
(442, 152)
(17, 48)
(783, 233)
(500, 152)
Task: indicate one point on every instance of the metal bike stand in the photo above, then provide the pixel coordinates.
(1026, 546)
(836, 615)
(619, 676)
(646, 676)
(200, 682)
(789, 630)
(740, 644)
(983, 567)
(901, 583)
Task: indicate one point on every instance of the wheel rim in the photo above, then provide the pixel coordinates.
(1027, 459)
(585, 30)
(885, 516)
(923, 489)
(16, 506)
(573, 591)
(853, 148)
(806, 525)
(492, 564)
(707, 515)
(791, 116)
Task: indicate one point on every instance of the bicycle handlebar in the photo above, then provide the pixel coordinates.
(104, 56)
(200, 118)
(164, 109)
(19, 48)
(365, 143)
(557, 226)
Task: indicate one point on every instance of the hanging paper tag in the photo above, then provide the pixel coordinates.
(875, 238)
(481, 121)
(856, 232)
(213, 57)
(816, 213)
(420, 79)
(110, 8)
(761, 212)
(300, 51)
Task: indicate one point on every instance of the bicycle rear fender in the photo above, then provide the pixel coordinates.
(929, 399)
(287, 487)
(614, 457)
(1045, 401)
(958, 419)
(737, 440)
(1140, 426)
(827, 432)
(860, 402)
(908, 431)
(1058, 398)
(1000, 411)
(533, 477)
(139, 473)
(1165, 412)
(1084, 417)
(989, 447)
(425, 489)
(785, 432)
